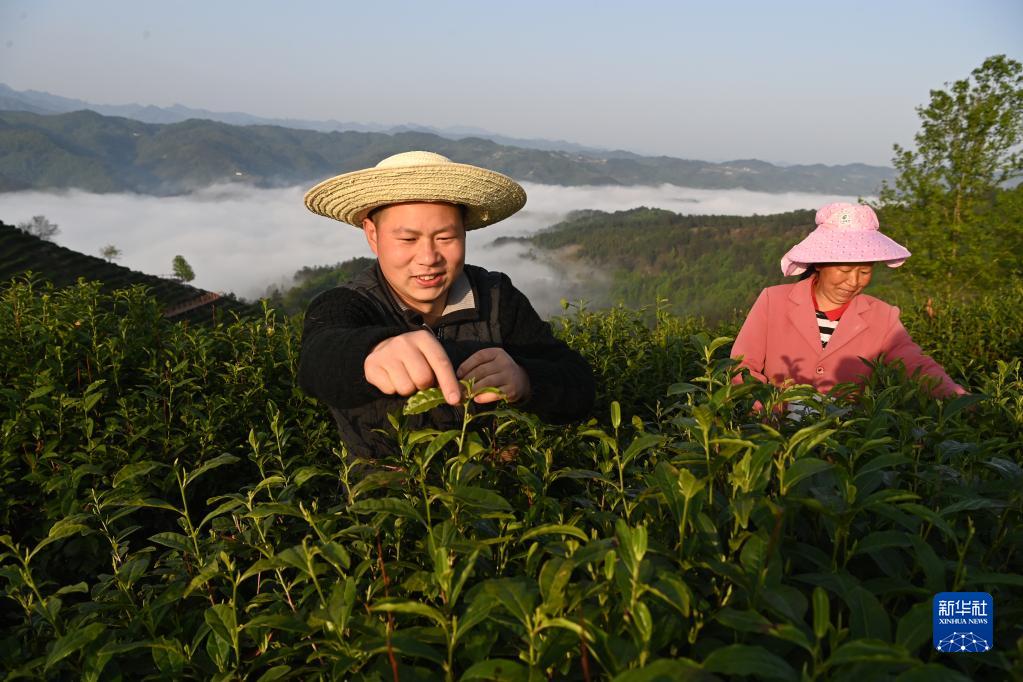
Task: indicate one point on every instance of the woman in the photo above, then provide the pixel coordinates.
(816, 330)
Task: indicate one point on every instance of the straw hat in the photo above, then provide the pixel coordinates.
(418, 176)
(846, 233)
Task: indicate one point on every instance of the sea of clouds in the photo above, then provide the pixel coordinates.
(243, 240)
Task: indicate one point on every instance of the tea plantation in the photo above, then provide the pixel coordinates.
(173, 507)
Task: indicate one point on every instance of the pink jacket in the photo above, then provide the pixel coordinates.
(780, 341)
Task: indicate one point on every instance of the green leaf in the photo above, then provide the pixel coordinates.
(388, 505)
(914, 628)
(299, 478)
(985, 578)
(666, 670)
(39, 392)
(932, 672)
(261, 511)
(481, 498)
(517, 595)
(802, 469)
(672, 590)
(222, 620)
(971, 504)
(209, 465)
(174, 541)
(424, 400)
(742, 659)
(496, 670)
(274, 673)
(961, 403)
(205, 574)
(869, 618)
(821, 612)
(681, 388)
(72, 642)
(377, 481)
(475, 613)
(336, 554)
(64, 528)
(639, 445)
(883, 539)
(870, 651)
(412, 608)
(743, 621)
(130, 471)
(554, 529)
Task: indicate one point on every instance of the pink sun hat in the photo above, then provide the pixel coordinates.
(846, 233)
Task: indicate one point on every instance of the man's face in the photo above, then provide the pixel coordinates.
(421, 250)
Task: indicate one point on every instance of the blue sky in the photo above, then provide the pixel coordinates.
(782, 81)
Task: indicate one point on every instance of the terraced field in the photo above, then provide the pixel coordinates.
(22, 253)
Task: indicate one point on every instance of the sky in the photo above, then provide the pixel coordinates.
(788, 82)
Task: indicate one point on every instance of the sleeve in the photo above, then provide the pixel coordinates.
(561, 382)
(750, 345)
(341, 328)
(898, 345)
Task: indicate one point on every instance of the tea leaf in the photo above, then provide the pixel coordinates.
(72, 642)
(209, 465)
(130, 471)
(553, 529)
(870, 651)
(424, 401)
(742, 659)
(802, 469)
(496, 670)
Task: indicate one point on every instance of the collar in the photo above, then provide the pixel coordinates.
(803, 317)
(461, 301)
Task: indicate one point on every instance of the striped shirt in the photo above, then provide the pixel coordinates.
(826, 327)
(827, 322)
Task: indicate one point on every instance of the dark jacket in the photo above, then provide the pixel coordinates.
(344, 324)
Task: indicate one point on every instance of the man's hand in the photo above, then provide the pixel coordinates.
(494, 367)
(410, 362)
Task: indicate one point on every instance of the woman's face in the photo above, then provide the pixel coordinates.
(839, 283)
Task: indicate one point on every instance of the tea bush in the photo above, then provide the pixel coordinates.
(174, 507)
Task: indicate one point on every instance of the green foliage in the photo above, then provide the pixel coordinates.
(313, 280)
(949, 201)
(182, 270)
(709, 266)
(175, 507)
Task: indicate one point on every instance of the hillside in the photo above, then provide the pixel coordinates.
(99, 153)
(706, 265)
(21, 253)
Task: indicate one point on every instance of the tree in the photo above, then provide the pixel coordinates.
(40, 227)
(110, 252)
(967, 152)
(182, 270)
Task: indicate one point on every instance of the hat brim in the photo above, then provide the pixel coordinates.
(488, 196)
(848, 247)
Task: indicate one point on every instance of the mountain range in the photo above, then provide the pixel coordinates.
(88, 150)
(39, 102)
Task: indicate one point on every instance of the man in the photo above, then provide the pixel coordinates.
(420, 317)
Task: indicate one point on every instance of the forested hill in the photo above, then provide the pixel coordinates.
(98, 153)
(21, 254)
(708, 265)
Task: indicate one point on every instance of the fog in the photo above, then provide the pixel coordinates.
(243, 240)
